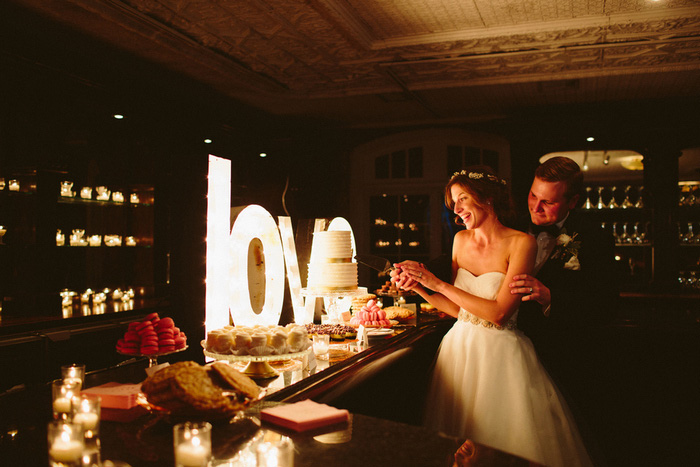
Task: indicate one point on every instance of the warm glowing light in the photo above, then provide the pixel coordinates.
(207, 141)
(590, 139)
(293, 274)
(118, 116)
(263, 154)
(254, 226)
(218, 223)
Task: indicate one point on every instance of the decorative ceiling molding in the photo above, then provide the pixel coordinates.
(287, 56)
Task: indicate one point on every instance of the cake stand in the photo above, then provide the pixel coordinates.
(332, 301)
(153, 357)
(258, 365)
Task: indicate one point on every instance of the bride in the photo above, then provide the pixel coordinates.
(488, 385)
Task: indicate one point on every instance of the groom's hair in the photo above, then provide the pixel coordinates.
(562, 169)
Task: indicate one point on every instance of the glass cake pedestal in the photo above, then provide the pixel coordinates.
(333, 302)
(258, 366)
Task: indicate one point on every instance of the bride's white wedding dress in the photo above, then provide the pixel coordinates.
(489, 386)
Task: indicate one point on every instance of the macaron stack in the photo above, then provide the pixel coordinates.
(152, 336)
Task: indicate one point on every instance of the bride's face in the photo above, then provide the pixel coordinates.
(467, 207)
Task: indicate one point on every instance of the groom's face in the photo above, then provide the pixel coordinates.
(547, 203)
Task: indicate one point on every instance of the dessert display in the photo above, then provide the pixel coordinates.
(187, 388)
(370, 316)
(331, 268)
(257, 340)
(398, 313)
(337, 332)
(152, 336)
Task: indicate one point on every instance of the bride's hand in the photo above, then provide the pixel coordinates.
(417, 273)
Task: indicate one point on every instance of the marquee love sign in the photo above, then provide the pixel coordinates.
(246, 265)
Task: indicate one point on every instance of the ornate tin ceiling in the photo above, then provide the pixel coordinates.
(393, 62)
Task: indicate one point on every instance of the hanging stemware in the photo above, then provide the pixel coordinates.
(587, 204)
(640, 198)
(600, 204)
(612, 204)
(626, 203)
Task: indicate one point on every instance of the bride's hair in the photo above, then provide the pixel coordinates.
(488, 190)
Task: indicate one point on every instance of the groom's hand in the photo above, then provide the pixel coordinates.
(531, 289)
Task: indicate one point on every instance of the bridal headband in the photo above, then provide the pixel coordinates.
(479, 175)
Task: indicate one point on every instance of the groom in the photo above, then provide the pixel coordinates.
(572, 289)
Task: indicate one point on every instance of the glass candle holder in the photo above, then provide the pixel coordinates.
(60, 238)
(3, 231)
(13, 185)
(275, 453)
(2, 183)
(66, 444)
(67, 189)
(130, 241)
(62, 392)
(192, 444)
(86, 192)
(118, 197)
(321, 343)
(73, 373)
(95, 240)
(134, 198)
(103, 193)
(86, 412)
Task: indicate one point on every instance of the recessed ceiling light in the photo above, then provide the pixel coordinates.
(207, 141)
(263, 154)
(118, 116)
(590, 138)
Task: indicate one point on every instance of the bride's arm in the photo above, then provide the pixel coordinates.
(498, 311)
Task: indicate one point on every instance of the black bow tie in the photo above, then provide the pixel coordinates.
(552, 230)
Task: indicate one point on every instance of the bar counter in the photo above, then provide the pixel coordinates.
(381, 386)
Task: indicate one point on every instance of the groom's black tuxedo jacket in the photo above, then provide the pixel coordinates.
(581, 299)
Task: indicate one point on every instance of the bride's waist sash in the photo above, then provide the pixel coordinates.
(467, 317)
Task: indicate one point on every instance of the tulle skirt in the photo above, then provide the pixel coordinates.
(489, 386)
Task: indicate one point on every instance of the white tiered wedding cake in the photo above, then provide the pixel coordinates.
(331, 268)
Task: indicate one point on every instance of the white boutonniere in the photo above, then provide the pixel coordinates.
(567, 249)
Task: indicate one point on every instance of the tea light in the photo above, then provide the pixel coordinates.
(13, 185)
(321, 342)
(192, 443)
(103, 193)
(60, 238)
(63, 391)
(130, 241)
(74, 372)
(276, 453)
(134, 198)
(86, 296)
(117, 294)
(86, 192)
(86, 412)
(95, 240)
(118, 197)
(2, 233)
(2, 183)
(66, 444)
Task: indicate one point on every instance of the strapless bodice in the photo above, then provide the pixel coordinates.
(486, 286)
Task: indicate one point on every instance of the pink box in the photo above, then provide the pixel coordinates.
(116, 395)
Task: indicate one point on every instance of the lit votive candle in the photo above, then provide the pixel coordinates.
(63, 391)
(13, 185)
(118, 197)
(60, 238)
(95, 240)
(74, 373)
(134, 198)
(66, 443)
(86, 192)
(86, 413)
(192, 443)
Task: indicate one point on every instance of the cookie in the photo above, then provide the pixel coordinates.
(235, 379)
